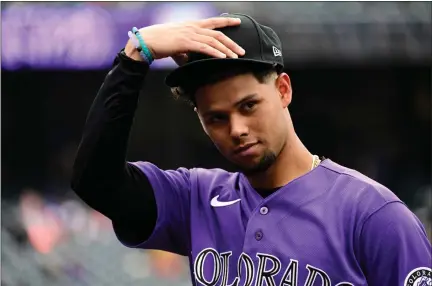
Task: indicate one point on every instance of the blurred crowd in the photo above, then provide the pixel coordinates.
(51, 241)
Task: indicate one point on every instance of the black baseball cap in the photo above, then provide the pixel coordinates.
(261, 44)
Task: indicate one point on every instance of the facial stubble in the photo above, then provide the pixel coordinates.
(265, 162)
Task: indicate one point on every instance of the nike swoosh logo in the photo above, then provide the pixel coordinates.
(216, 203)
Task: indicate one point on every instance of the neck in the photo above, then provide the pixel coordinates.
(293, 161)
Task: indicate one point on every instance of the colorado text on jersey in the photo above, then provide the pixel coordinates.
(268, 267)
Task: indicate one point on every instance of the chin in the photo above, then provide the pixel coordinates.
(257, 165)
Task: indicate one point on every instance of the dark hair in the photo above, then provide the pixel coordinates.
(188, 90)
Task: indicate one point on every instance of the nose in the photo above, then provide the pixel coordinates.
(238, 127)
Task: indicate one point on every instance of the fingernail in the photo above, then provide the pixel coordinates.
(234, 56)
(242, 51)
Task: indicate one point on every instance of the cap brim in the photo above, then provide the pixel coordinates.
(201, 68)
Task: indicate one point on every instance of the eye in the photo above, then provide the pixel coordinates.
(217, 118)
(249, 106)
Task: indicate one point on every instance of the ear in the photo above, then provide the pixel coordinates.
(283, 85)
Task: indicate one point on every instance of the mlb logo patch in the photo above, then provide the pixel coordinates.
(419, 277)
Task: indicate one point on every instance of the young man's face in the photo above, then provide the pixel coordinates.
(245, 119)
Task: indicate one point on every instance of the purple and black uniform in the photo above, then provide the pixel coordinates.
(331, 226)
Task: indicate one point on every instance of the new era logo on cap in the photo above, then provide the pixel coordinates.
(276, 52)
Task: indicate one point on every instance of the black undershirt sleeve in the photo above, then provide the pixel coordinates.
(101, 176)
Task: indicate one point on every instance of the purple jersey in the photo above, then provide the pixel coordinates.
(331, 226)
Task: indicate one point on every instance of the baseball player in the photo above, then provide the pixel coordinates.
(286, 218)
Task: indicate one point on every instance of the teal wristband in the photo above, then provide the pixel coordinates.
(144, 47)
(137, 46)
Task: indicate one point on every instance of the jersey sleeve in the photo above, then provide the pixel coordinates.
(393, 243)
(171, 190)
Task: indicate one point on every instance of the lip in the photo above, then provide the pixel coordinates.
(243, 149)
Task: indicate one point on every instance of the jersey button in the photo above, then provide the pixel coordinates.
(264, 210)
(258, 235)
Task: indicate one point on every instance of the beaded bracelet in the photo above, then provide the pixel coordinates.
(143, 45)
(137, 46)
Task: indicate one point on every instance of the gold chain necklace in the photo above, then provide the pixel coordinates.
(315, 162)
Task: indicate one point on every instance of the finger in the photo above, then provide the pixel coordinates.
(212, 42)
(203, 48)
(217, 22)
(222, 38)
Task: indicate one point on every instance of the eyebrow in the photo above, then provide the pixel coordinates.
(246, 98)
(236, 104)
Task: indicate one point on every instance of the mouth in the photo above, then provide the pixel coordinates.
(244, 148)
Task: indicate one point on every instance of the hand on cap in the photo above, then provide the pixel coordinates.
(175, 40)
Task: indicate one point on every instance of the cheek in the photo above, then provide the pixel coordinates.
(219, 137)
(266, 116)
(270, 124)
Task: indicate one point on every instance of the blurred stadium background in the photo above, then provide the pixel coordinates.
(361, 73)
